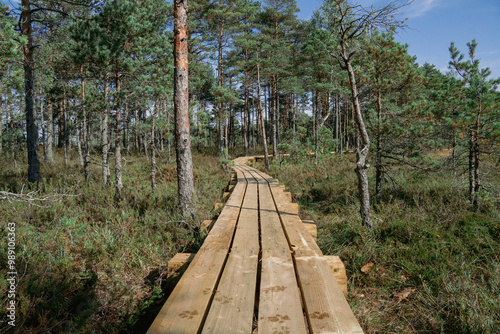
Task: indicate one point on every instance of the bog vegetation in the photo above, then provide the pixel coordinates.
(84, 81)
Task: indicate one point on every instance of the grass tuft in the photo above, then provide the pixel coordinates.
(436, 262)
(88, 262)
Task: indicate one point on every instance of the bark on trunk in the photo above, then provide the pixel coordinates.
(261, 117)
(60, 124)
(127, 136)
(105, 139)
(118, 140)
(454, 153)
(274, 115)
(86, 135)
(474, 181)
(361, 152)
(181, 106)
(245, 111)
(220, 78)
(378, 162)
(42, 120)
(317, 118)
(153, 155)
(29, 86)
(79, 139)
(50, 132)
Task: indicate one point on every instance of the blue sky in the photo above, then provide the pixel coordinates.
(434, 24)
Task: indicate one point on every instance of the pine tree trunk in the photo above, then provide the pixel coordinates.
(277, 119)
(60, 124)
(50, 132)
(317, 119)
(105, 138)
(169, 140)
(220, 82)
(476, 184)
(29, 88)
(252, 121)
(230, 133)
(378, 162)
(454, 153)
(361, 152)
(79, 139)
(181, 105)
(118, 140)
(65, 133)
(67, 123)
(245, 110)
(86, 135)
(274, 115)
(42, 121)
(261, 117)
(127, 136)
(153, 155)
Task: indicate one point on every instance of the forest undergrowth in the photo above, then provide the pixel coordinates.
(431, 264)
(89, 263)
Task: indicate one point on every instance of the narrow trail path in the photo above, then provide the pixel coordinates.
(259, 270)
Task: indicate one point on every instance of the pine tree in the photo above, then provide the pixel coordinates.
(181, 104)
(222, 18)
(480, 94)
(10, 52)
(278, 20)
(389, 72)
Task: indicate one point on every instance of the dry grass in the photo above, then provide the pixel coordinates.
(436, 263)
(93, 264)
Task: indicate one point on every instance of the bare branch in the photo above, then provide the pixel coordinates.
(31, 198)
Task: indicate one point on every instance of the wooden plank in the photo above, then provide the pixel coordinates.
(232, 309)
(288, 196)
(298, 236)
(207, 224)
(186, 308)
(280, 309)
(178, 261)
(311, 228)
(326, 308)
(338, 269)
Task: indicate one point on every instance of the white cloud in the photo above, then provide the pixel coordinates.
(420, 7)
(415, 9)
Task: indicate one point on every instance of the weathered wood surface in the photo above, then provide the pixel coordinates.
(233, 305)
(258, 267)
(185, 309)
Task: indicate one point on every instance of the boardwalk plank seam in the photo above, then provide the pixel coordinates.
(285, 277)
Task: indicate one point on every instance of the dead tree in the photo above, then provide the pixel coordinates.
(350, 23)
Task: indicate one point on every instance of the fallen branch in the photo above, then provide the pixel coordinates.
(32, 198)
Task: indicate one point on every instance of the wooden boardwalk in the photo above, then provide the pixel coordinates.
(259, 270)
